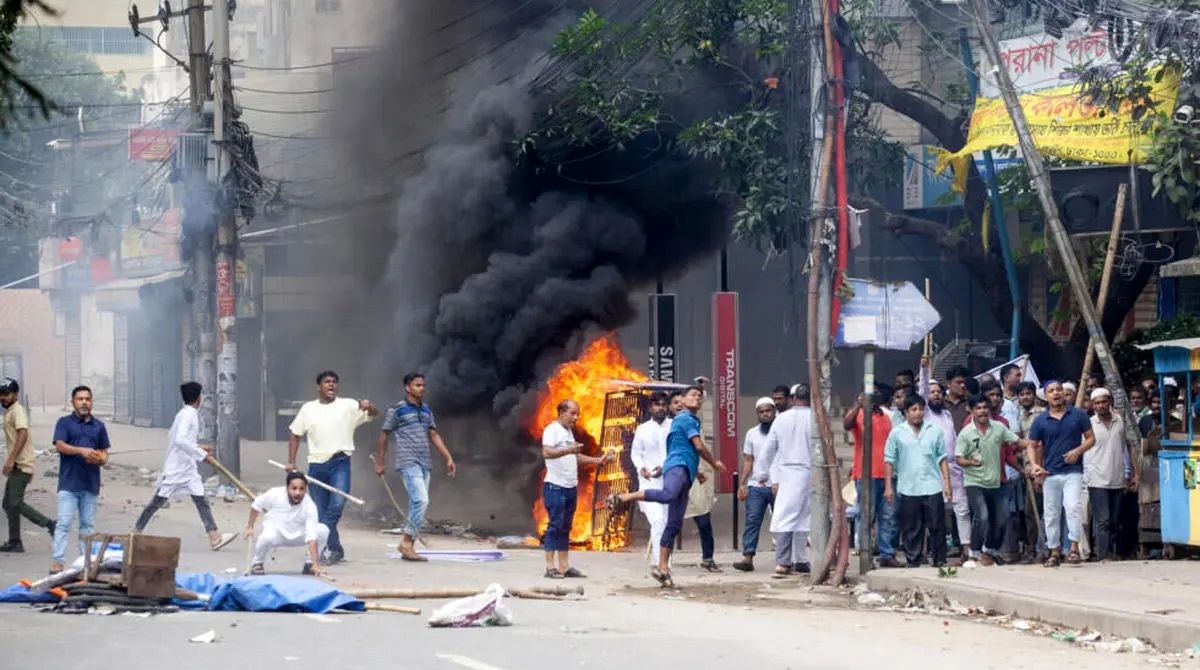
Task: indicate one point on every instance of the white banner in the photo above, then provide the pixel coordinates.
(1028, 373)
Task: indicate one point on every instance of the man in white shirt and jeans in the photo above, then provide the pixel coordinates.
(560, 488)
(289, 520)
(648, 451)
(328, 425)
(757, 489)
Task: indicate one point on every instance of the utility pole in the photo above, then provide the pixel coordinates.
(199, 224)
(228, 430)
(1041, 181)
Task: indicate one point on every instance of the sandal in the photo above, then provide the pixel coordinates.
(553, 573)
(1053, 561)
(782, 571)
(409, 553)
(257, 570)
(223, 542)
(574, 573)
(1073, 558)
(663, 578)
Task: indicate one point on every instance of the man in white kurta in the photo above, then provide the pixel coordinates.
(787, 451)
(180, 472)
(648, 451)
(289, 520)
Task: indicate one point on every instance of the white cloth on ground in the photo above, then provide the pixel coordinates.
(787, 450)
(180, 473)
(272, 538)
(291, 522)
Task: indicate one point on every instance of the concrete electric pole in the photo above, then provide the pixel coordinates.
(228, 430)
(198, 218)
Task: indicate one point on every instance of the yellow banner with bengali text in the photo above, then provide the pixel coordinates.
(1064, 125)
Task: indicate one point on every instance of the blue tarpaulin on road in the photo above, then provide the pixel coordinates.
(268, 593)
(21, 594)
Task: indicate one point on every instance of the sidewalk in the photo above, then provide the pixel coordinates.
(1157, 601)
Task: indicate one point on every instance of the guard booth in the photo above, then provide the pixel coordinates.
(1179, 454)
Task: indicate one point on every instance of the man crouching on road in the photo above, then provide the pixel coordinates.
(289, 520)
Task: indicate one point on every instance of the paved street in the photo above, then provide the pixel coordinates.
(732, 620)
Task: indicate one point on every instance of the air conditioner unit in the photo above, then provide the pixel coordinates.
(194, 151)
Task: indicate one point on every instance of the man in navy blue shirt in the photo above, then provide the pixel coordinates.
(82, 444)
(1058, 439)
(685, 448)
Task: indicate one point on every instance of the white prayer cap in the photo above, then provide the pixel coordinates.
(1170, 381)
(1069, 386)
(1100, 392)
(764, 402)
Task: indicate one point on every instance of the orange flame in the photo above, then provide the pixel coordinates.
(585, 380)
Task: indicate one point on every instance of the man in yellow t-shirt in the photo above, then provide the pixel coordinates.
(18, 467)
(328, 425)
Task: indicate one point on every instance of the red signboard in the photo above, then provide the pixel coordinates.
(725, 366)
(152, 144)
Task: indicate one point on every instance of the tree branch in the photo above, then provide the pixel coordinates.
(877, 86)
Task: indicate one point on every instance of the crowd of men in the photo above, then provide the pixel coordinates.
(293, 515)
(1018, 470)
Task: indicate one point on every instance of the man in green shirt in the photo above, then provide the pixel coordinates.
(981, 455)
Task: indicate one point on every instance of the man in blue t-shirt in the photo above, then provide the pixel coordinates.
(685, 448)
(82, 443)
(1058, 439)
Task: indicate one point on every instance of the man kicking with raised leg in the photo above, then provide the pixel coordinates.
(685, 448)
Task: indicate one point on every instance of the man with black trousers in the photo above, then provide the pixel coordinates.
(915, 455)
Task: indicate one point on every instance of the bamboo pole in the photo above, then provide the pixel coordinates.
(929, 335)
(383, 607)
(1102, 298)
(229, 475)
(318, 482)
(533, 592)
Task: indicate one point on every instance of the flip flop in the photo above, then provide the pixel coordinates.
(663, 578)
(257, 570)
(782, 572)
(226, 538)
(410, 554)
(553, 573)
(1073, 558)
(1052, 561)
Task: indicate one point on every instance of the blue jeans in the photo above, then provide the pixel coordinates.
(758, 499)
(416, 483)
(674, 494)
(70, 503)
(707, 542)
(560, 508)
(336, 473)
(887, 528)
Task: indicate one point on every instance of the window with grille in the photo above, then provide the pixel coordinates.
(328, 6)
(91, 40)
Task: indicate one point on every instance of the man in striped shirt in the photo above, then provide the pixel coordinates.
(411, 425)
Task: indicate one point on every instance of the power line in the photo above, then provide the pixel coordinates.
(263, 90)
(286, 111)
(313, 66)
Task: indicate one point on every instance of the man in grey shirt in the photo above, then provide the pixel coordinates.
(410, 423)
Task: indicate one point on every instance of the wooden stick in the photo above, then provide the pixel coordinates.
(1101, 299)
(382, 607)
(929, 335)
(229, 475)
(318, 482)
(434, 594)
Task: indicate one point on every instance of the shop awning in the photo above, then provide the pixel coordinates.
(122, 295)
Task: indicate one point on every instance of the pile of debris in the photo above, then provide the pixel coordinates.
(917, 600)
(108, 598)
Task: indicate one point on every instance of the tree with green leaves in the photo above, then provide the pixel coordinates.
(708, 79)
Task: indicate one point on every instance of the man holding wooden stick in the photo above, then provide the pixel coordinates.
(410, 423)
(328, 425)
(180, 473)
